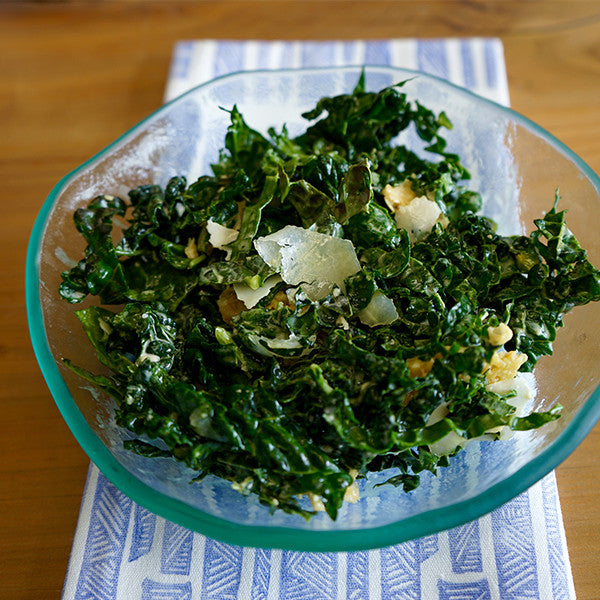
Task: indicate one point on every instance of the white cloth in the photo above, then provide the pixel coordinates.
(123, 552)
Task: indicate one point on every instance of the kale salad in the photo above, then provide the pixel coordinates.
(321, 306)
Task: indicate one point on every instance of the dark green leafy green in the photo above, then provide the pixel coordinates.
(286, 395)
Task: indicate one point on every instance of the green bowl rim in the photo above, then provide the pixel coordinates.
(218, 528)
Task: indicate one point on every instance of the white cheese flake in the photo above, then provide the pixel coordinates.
(379, 311)
(250, 296)
(447, 444)
(416, 214)
(520, 386)
(452, 440)
(285, 346)
(315, 260)
(219, 235)
(418, 217)
(320, 262)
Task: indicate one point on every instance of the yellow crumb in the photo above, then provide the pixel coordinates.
(401, 194)
(352, 494)
(498, 336)
(505, 365)
(191, 250)
(316, 502)
(418, 367)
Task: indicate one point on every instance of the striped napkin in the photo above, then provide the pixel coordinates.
(122, 551)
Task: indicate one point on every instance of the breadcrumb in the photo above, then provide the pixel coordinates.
(398, 195)
(505, 365)
(418, 367)
(498, 336)
(352, 493)
(229, 304)
(191, 250)
(280, 298)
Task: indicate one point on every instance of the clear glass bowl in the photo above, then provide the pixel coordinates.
(516, 166)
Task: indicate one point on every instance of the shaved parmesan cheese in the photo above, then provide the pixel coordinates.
(505, 365)
(416, 214)
(521, 388)
(281, 347)
(447, 444)
(418, 217)
(439, 413)
(290, 343)
(319, 262)
(450, 441)
(315, 260)
(250, 296)
(380, 311)
(219, 235)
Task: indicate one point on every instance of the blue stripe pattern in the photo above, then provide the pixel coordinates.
(142, 538)
(264, 56)
(286, 60)
(222, 570)
(475, 590)
(107, 533)
(315, 54)
(401, 571)
(491, 68)
(465, 548)
(182, 59)
(348, 51)
(357, 576)
(308, 576)
(176, 556)
(377, 53)
(262, 574)
(466, 52)
(556, 554)
(156, 590)
(229, 58)
(514, 546)
(432, 58)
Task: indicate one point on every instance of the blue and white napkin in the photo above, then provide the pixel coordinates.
(122, 551)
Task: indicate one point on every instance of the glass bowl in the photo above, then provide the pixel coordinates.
(516, 165)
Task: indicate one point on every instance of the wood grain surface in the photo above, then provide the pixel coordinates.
(74, 75)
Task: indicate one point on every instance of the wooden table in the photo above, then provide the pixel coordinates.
(73, 76)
